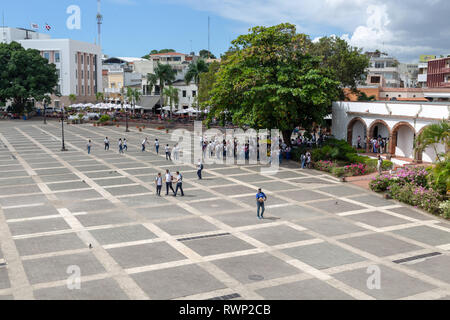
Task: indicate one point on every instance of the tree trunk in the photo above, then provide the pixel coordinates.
(287, 134)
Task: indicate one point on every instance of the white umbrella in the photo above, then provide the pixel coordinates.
(182, 112)
(89, 105)
(138, 107)
(167, 108)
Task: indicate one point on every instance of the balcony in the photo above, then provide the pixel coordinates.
(445, 84)
(445, 70)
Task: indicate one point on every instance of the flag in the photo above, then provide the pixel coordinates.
(47, 27)
(34, 26)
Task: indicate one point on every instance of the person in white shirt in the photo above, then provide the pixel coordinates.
(125, 145)
(179, 184)
(143, 144)
(120, 146)
(168, 179)
(157, 146)
(199, 169)
(158, 183)
(106, 143)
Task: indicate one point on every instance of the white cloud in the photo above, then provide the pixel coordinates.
(404, 29)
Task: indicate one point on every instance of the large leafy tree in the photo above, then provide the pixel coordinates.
(165, 75)
(347, 64)
(205, 54)
(269, 80)
(195, 70)
(25, 75)
(206, 83)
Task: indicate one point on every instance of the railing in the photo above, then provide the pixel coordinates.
(445, 84)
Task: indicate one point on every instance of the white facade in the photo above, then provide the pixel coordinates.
(187, 94)
(7, 35)
(384, 72)
(400, 122)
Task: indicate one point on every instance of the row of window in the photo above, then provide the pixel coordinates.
(56, 56)
(88, 75)
(194, 93)
(88, 92)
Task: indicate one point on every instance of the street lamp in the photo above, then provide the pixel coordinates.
(62, 129)
(126, 118)
(45, 107)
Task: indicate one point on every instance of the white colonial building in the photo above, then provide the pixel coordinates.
(400, 122)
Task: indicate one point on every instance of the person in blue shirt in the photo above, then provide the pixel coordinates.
(260, 199)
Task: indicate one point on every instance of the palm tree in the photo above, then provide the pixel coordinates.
(434, 134)
(72, 98)
(166, 75)
(99, 96)
(173, 95)
(152, 80)
(136, 96)
(194, 71)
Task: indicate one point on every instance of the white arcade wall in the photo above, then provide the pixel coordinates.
(405, 142)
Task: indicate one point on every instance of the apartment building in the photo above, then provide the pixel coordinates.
(439, 73)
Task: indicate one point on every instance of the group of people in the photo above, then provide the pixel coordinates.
(169, 180)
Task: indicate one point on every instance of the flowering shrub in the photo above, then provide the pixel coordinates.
(445, 208)
(380, 183)
(426, 199)
(357, 169)
(417, 176)
(324, 165)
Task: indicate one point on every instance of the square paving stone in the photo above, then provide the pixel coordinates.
(68, 186)
(46, 244)
(4, 191)
(409, 212)
(29, 212)
(60, 178)
(215, 206)
(226, 171)
(122, 234)
(107, 218)
(213, 181)
(105, 289)
(145, 255)
(275, 186)
(293, 212)
(393, 284)
(256, 267)
(92, 168)
(373, 200)
(186, 226)
(323, 255)
(163, 212)
(425, 234)
(113, 182)
(436, 267)
(6, 297)
(336, 206)
(142, 171)
(330, 226)
(308, 182)
(381, 245)
(176, 282)
(15, 182)
(77, 195)
(303, 195)
(311, 289)
(144, 200)
(9, 174)
(55, 268)
(252, 177)
(286, 175)
(377, 219)
(120, 191)
(251, 200)
(103, 174)
(217, 245)
(273, 236)
(4, 279)
(342, 191)
(37, 226)
(93, 205)
(240, 219)
(52, 172)
(235, 189)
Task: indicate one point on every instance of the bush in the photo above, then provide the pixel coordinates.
(445, 209)
(387, 165)
(380, 183)
(104, 118)
(357, 169)
(372, 163)
(439, 177)
(324, 165)
(338, 172)
(426, 199)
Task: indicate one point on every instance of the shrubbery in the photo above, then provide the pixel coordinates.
(104, 118)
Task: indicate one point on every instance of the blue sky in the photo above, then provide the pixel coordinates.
(134, 27)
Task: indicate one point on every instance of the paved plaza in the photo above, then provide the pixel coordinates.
(320, 238)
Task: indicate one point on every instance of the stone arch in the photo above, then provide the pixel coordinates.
(407, 142)
(350, 128)
(371, 132)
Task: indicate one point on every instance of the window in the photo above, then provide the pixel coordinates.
(47, 55)
(82, 74)
(177, 59)
(76, 74)
(82, 59)
(76, 89)
(82, 89)
(57, 57)
(89, 90)
(194, 93)
(184, 93)
(375, 80)
(76, 57)
(88, 60)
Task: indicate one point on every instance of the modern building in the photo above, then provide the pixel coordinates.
(383, 71)
(188, 94)
(423, 70)
(400, 122)
(8, 35)
(439, 73)
(78, 63)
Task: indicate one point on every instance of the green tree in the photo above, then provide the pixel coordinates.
(194, 71)
(268, 80)
(166, 75)
(205, 54)
(152, 80)
(347, 64)
(25, 75)
(206, 83)
(172, 95)
(133, 96)
(362, 96)
(72, 98)
(99, 96)
(436, 133)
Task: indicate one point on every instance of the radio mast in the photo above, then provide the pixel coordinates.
(99, 23)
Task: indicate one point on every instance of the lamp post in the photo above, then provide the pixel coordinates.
(62, 129)
(126, 118)
(45, 107)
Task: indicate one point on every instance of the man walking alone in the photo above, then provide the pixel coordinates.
(199, 169)
(106, 144)
(158, 183)
(260, 199)
(179, 184)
